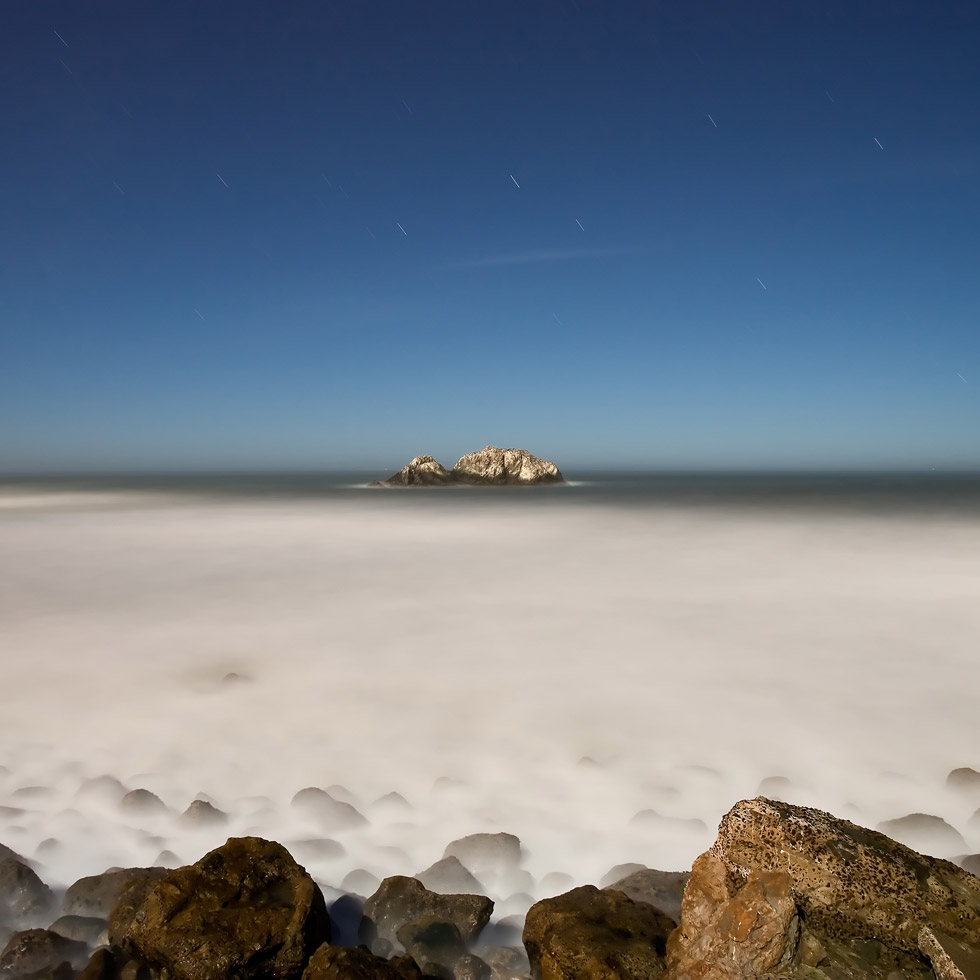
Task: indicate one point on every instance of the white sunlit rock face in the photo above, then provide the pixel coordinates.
(602, 683)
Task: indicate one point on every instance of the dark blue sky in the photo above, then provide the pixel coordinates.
(250, 235)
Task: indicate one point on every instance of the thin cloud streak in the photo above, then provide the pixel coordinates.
(539, 255)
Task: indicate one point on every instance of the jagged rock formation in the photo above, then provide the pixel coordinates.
(797, 892)
(505, 466)
(423, 471)
(245, 910)
(488, 467)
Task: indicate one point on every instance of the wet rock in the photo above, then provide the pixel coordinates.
(429, 939)
(129, 901)
(775, 787)
(506, 962)
(951, 960)
(342, 963)
(496, 854)
(103, 964)
(167, 859)
(345, 919)
(360, 882)
(246, 909)
(657, 821)
(471, 967)
(450, 877)
(664, 890)
(329, 813)
(142, 802)
(316, 849)
(400, 900)
(34, 794)
(969, 862)
(95, 895)
(200, 813)
(8, 854)
(107, 789)
(618, 872)
(24, 898)
(555, 882)
(925, 833)
(392, 803)
(964, 780)
(491, 465)
(82, 928)
(35, 950)
(849, 882)
(588, 934)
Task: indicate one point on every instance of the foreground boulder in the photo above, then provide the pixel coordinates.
(849, 881)
(400, 901)
(245, 910)
(505, 466)
(796, 892)
(588, 934)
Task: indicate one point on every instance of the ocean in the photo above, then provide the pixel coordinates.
(602, 668)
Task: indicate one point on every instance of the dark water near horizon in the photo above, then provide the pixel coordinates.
(884, 491)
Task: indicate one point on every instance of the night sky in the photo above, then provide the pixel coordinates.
(340, 234)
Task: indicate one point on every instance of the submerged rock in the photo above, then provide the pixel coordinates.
(402, 900)
(664, 890)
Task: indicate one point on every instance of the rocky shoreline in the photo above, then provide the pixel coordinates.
(784, 891)
(489, 466)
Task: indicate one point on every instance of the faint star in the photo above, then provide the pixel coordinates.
(222, 179)
(713, 123)
(60, 38)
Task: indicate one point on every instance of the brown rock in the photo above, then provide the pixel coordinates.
(588, 934)
(24, 898)
(728, 933)
(245, 910)
(401, 900)
(449, 877)
(129, 900)
(423, 471)
(849, 882)
(96, 895)
(505, 466)
(352, 963)
(664, 890)
(200, 813)
(38, 949)
(950, 959)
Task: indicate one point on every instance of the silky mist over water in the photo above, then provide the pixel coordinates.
(601, 675)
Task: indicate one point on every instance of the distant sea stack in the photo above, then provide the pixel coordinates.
(488, 467)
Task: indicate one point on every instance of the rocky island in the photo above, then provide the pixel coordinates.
(489, 466)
